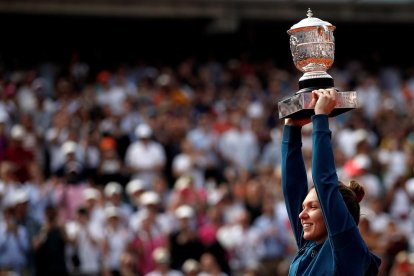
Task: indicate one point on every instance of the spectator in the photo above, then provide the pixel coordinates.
(145, 158)
(50, 246)
(272, 241)
(138, 256)
(20, 157)
(86, 238)
(191, 267)
(184, 242)
(110, 167)
(241, 241)
(191, 163)
(115, 239)
(161, 258)
(238, 146)
(113, 193)
(134, 190)
(209, 266)
(14, 244)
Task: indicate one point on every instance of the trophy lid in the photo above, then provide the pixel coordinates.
(309, 23)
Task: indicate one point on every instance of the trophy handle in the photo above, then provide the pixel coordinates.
(324, 31)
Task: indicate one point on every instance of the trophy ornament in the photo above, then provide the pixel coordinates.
(312, 45)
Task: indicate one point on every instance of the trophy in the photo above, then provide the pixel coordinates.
(312, 46)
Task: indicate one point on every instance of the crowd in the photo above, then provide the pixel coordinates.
(148, 169)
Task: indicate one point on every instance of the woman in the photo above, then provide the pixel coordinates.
(325, 218)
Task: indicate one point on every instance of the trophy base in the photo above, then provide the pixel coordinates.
(308, 85)
(297, 106)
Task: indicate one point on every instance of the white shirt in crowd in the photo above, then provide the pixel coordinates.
(145, 157)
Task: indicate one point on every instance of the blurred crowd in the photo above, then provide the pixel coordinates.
(157, 169)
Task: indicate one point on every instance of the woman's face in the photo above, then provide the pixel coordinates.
(311, 218)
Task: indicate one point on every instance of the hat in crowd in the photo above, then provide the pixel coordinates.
(149, 198)
(161, 255)
(18, 196)
(163, 80)
(191, 265)
(91, 193)
(409, 186)
(111, 211)
(112, 188)
(69, 147)
(143, 131)
(360, 135)
(17, 132)
(184, 211)
(182, 182)
(134, 186)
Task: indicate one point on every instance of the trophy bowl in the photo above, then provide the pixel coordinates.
(312, 45)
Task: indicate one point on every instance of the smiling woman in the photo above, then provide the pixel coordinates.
(311, 218)
(325, 218)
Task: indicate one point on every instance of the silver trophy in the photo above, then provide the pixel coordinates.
(313, 47)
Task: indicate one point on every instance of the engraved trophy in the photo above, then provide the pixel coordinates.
(312, 46)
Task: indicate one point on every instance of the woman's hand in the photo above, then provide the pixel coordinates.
(303, 121)
(325, 100)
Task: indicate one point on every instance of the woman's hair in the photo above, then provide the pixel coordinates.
(352, 195)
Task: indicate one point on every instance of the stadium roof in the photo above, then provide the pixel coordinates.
(226, 13)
